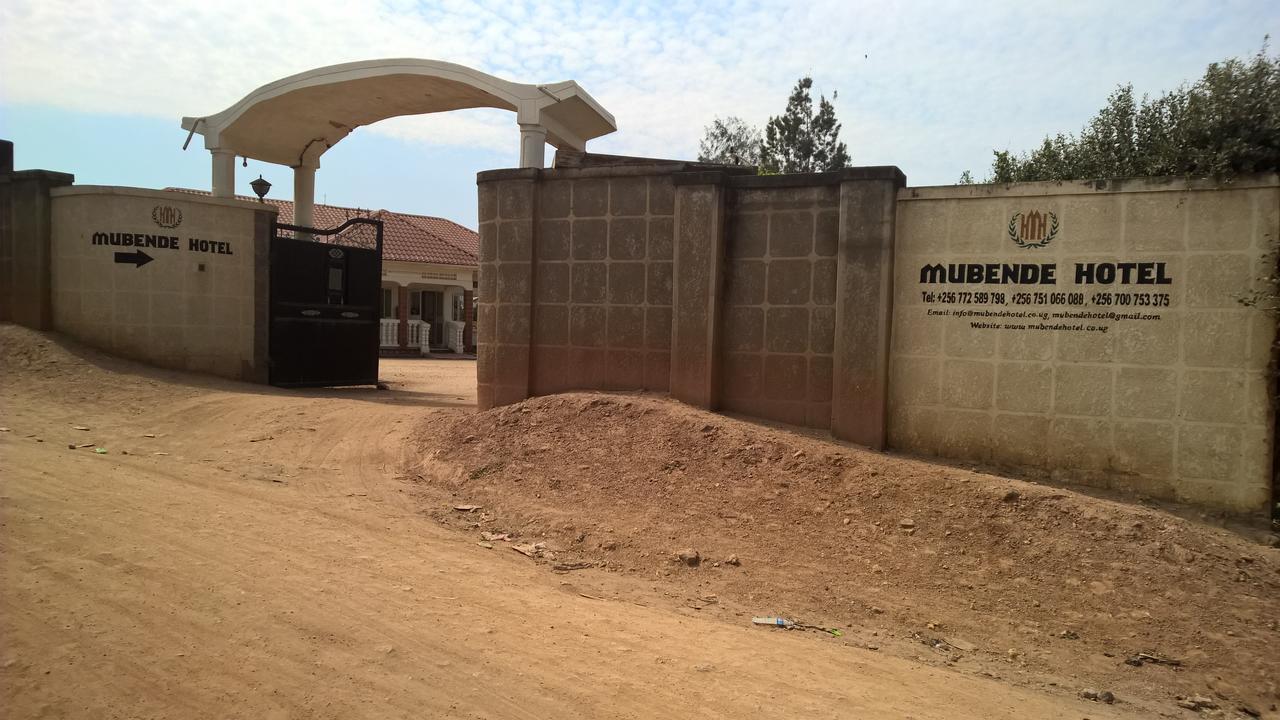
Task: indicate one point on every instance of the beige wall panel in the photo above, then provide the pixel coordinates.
(1153, 378)
(165, 278)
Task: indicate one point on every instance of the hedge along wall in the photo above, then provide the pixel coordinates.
(1136, 365)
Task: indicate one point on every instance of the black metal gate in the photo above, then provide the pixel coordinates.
(325, 295)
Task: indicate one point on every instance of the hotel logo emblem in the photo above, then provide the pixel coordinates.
(1033, 229)
(166, 216)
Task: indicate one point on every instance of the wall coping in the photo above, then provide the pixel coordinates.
(49, 176)
(166, 195)
(752, 181)
(1088, 187)
(694, 173)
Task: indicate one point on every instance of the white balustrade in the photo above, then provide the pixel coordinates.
(389, 332)
(453, 330)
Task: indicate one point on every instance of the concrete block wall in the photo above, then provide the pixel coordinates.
(801, 299)
(1176, 405)
(575, 282)
(779, 303)
(506, 215)
(714, 284)
(26, 289)
(602, 283)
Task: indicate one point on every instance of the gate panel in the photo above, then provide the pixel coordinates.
(325, 295)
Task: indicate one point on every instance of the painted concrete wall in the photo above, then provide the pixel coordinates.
(1157, 381)
(197, 301)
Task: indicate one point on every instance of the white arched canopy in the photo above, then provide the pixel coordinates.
(293, 121)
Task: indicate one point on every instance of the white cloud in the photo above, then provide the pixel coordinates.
(932, 88)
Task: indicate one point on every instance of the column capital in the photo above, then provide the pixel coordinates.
(533, 144)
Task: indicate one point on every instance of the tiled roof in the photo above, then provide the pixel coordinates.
(405, 236)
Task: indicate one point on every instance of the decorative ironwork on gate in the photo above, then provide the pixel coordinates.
(358, 232)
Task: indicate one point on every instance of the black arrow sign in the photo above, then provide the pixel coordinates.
(137, 258)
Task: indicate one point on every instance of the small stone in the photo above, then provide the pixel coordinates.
(1012, 496)
(906, 523)
(1089, 694)
(1107, 697)
(1197, 702)
(846, 521)
(689, 557)
(469, 439)
(610, 545)
(486, 545)
(732, 560)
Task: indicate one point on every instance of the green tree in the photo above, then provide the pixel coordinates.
(730, 141)
(802, 139)
(1225, 123)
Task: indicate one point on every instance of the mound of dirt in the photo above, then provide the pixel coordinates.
(1031, 583)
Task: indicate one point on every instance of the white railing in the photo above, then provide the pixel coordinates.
(389, 332)
(453, 335)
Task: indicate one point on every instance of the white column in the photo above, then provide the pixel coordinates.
(533, 145)
(224, 173)
(304, 196)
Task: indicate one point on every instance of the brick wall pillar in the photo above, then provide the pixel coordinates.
(698, 277)
(507, 202)
(468, 319)
(26, 229)
(864, 304)
(402, 333)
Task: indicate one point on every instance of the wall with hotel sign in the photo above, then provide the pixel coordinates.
(1115, 334)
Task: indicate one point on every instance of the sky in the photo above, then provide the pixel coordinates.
(97, 88)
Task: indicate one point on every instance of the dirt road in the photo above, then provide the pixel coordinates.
(261, 557)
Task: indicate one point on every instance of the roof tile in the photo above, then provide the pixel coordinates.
(405, 236)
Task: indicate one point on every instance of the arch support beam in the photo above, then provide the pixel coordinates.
(224, 173)
(533, 146)
(304, 196)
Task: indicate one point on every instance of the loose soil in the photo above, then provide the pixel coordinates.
(248, 552)
(1040, 586)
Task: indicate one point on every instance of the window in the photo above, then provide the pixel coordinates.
(415, 304)
(387, 310)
